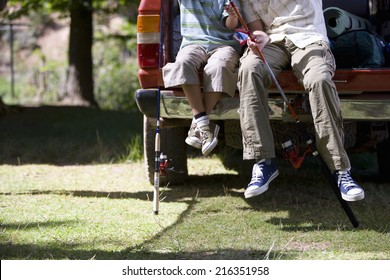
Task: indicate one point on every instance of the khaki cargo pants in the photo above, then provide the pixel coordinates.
(314, 67)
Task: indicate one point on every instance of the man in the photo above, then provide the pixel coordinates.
(290, 34)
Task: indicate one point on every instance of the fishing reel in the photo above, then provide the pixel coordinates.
(291, 153)
(164, 163)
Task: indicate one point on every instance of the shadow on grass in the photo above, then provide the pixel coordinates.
(311, 206)
(309, 200)
(76, 135)
(65, 251)
(27, 226)
(305, 194)
(65, 135)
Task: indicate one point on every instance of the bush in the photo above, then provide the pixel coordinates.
(41, 80)
(115, 76)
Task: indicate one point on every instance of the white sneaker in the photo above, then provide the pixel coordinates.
(209, 137)
(193, 138)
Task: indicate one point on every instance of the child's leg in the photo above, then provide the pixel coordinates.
(220, 72)
(210, 99)
(195, 98)
(185, 70)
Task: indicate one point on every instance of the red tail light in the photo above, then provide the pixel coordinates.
(148, 42)
(148, 38)
(148, 55)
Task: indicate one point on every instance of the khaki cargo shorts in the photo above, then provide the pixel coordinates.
(220, 68)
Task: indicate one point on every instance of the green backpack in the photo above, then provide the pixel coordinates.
(359, 49)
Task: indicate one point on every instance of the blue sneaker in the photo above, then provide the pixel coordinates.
(350, 190)
(262, 175)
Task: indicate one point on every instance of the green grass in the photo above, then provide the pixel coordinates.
(90, 205)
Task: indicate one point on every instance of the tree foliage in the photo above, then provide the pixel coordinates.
(80, 77)
(23, 7)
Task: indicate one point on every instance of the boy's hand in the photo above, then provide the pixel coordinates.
(232, 19)
(229, 9)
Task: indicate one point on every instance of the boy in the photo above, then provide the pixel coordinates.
(207, 28)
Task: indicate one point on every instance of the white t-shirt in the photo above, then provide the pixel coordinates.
(301, 21)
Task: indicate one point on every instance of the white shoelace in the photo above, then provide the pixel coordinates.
(257, 173)
(346, 179)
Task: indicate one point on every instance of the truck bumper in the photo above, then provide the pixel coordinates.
(174, 105)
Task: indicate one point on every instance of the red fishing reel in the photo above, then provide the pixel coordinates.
(164, 162)
(292, 154)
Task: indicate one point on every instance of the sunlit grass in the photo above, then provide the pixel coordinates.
(105, 212)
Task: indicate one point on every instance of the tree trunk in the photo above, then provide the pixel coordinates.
(3, 107)
(79, 89)
(3, 3)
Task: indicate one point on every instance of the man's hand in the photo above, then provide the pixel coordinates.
(260, 39)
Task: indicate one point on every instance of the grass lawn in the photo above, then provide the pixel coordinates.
(65, 195)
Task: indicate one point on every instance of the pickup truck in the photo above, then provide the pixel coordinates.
(364, 95)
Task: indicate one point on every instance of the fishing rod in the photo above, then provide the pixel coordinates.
(311, 148)
(157, 149)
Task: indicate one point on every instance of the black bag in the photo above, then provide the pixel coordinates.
(359, 49)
